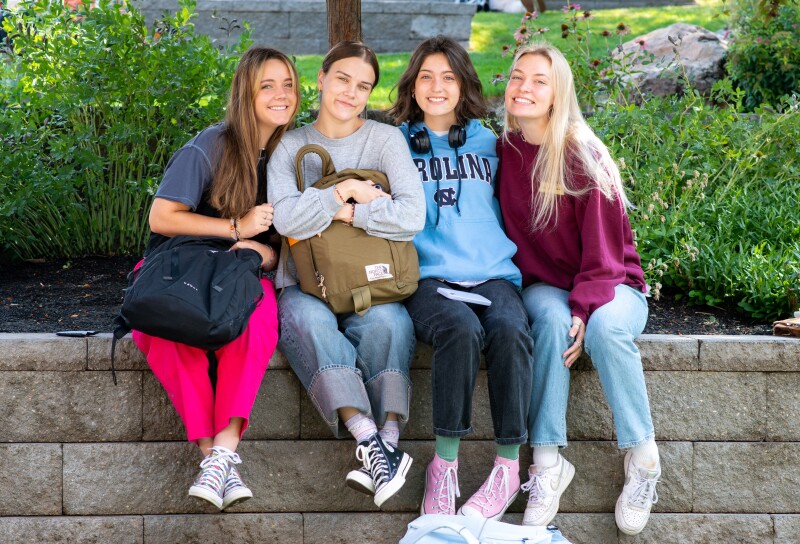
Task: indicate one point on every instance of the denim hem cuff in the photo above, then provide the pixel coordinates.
(337, 387)
(560, 444)
(629, 445)
(451, 434)
(511, 441)
(389, 392)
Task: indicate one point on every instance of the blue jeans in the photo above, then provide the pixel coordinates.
(348, 360)
(459, 332)
(609, 342)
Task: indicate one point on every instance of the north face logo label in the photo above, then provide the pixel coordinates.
(445, 197)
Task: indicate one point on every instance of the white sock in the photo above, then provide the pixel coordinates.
(361, 427)
(545, 456)
(646, 455)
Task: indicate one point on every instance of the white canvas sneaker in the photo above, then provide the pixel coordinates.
(545, 488)
(637, 498)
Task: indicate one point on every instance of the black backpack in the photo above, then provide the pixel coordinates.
(191, 290)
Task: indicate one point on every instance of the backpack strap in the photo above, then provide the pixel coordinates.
(121, 328)
(327, 163)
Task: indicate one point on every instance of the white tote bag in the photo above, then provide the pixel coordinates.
(440, 529)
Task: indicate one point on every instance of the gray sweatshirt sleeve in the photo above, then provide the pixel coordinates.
(402, 216)
(297, 215)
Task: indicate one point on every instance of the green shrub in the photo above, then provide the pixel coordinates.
(764, 53)
(93, 105)
(717, 196)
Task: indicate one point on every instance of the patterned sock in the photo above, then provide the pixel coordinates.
(390, 433)
(508, 451)
(361, 427)
(645, 455)
(447, 447)
(545, 456)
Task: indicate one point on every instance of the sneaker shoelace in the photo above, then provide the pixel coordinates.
(535, 486)
(374, 461)
(443, 488)
(644, 490)
(214, 469)
(496, 488)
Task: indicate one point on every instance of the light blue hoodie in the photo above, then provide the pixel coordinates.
(463, 239)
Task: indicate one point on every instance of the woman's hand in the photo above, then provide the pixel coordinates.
(269, 258)
(576, 332)
(256, 221)
(362, 191)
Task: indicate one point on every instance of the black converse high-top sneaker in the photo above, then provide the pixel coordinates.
(387, 464)
(361, 478)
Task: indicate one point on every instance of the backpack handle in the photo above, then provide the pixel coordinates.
(327, 163)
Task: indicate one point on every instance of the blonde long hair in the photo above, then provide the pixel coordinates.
(567, 137)
(233, 191)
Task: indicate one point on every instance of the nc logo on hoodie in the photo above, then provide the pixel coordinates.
(445, 197)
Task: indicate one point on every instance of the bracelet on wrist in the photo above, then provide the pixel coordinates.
(236, 229)
(233, 232)
(352, 214)
(339, 196)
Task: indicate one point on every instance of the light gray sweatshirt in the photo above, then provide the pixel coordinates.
(374, 146)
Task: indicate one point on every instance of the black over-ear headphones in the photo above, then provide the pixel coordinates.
(420, 141)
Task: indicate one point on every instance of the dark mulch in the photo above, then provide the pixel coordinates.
(85, 294)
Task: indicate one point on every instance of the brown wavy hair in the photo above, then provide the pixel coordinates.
(233, 191)
(471, 104)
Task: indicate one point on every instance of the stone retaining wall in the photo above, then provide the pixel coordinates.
(300, 27)
(85, 461)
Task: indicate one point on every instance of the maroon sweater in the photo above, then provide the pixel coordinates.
(589, 252)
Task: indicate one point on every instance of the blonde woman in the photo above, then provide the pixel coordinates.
(564, 206)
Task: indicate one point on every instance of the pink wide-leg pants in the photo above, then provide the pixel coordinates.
(183, 371)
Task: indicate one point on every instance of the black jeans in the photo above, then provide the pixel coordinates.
(459, 332)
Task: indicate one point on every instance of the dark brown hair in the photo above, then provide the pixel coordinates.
(471, 104)
(233, 191)
(346, 50)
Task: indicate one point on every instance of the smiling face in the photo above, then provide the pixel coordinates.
(345, 90)
(275, 99)
(437, 92)
(529, 93)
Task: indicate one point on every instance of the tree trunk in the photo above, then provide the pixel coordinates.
(344, 21)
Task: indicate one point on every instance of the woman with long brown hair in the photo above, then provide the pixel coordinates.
(215, 185)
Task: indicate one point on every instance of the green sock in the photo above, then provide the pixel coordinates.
(447, 447)
(511, 451)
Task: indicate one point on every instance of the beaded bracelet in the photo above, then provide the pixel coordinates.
(233, 230)
(339, 195)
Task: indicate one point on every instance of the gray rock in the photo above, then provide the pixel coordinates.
(70, 406)
(684, 403)
(703, 529)
(588, 528)
(222, 528)
(787, 529)
(746, 478)
(30, 480)
(702, 56)
(40, 351)
(783, 407)
(72, 530)
(669, 352)
(750, 354)
(378, 528)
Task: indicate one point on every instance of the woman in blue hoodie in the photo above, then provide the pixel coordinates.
(463, 251)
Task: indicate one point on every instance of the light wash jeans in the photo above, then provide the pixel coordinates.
(609, 342)
(348, 360)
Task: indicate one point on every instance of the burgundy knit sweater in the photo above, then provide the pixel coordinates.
(589, 252)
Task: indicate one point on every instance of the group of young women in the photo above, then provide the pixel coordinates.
(534, 221)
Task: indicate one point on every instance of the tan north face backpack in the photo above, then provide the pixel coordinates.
(344, 266)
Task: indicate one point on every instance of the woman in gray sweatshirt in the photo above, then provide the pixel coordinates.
(354, 367)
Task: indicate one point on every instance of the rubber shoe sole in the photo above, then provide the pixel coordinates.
(235, 497)
(206, 495)
(360, 481)
(475, 514)
(397, 482)
(566, 479)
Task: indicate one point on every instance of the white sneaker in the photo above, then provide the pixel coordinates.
(545, 487)
(637, 498)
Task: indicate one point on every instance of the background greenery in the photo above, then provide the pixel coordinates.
(95, 103)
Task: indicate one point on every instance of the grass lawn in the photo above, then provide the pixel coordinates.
(490, 31)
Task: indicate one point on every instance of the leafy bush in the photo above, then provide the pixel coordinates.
(93, 105)
(764, 53)
(717, 196)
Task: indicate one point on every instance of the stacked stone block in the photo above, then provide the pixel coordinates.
(82, 460)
